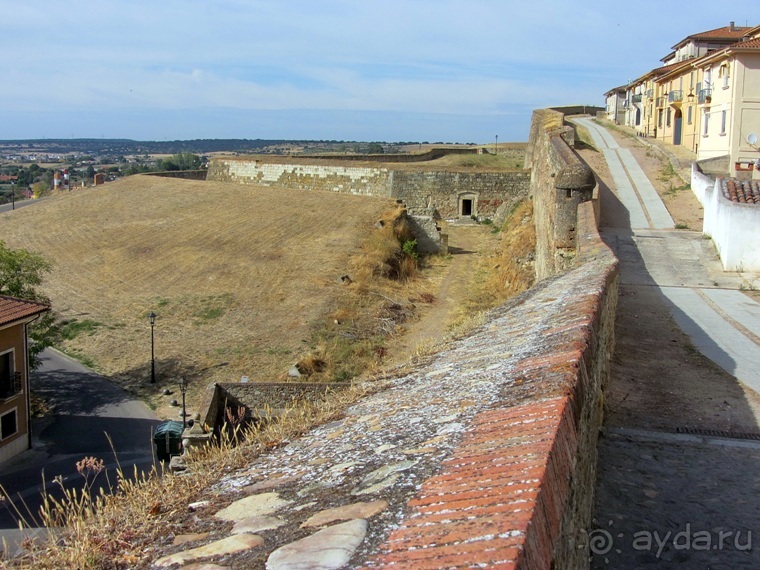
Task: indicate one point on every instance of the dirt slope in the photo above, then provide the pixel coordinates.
(237, 275)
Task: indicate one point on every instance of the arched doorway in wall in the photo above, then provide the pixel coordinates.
(468, 205)
(638, 116)
(677, 126)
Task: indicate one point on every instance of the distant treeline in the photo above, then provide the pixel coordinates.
(128, 146)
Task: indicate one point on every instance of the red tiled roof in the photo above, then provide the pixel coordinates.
(7, 177)
(749, 44)
(725, 33)
(741, 191)
(12, 309)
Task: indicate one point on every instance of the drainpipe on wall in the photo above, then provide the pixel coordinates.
(27, 383)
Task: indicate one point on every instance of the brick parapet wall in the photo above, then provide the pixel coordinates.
(517, 490)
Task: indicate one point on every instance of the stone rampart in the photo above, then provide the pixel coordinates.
(560, 181)
(183, 174)
(261, 400)
(494, 438)
(517, 491)
(449, 194)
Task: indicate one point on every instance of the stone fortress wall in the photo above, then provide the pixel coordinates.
(530, 457)
(428, 195)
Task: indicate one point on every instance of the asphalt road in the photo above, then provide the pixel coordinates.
(19, 204)
(92, 417)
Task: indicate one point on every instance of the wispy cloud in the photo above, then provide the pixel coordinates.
(458, 58)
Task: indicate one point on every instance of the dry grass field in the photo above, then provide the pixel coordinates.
(243, 280)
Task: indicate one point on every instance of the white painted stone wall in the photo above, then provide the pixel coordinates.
(734, 229)
(699, 183)
(347, 179)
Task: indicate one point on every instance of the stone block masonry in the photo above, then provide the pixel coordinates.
(560, 181)
(448, 194)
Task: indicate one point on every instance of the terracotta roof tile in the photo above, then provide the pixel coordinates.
(741, 191)
(12, 309)
(749, 44)
(725, 33)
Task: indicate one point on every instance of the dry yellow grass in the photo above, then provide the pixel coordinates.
(504, 272)
(239, 276)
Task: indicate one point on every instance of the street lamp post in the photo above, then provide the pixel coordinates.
(183, 389)
(152, 320)
(13, 196)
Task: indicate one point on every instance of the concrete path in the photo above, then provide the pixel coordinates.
(667, 500)
(645, 209)
(653, 256)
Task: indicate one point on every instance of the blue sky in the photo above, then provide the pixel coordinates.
(393, 70)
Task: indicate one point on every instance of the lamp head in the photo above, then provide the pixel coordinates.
(152, 318)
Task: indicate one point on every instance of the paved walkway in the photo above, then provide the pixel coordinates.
(645, 209)
(666, 500)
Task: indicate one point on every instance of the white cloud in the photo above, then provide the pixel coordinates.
(454, 57)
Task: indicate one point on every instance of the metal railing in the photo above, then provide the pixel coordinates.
(10, 386)
(704, 96)
(636, 98)
(675, 96)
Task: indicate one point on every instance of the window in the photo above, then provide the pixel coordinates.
(659, 118)
(667, 120)
(8, 424)
(10, 384)
(725, 76)
(706, 123)
(723, 122)
(688, 115)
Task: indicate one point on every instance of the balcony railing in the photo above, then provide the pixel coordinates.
(704, 96)
(636, 98)
(10, 386)
(675, 96)
(650, 93)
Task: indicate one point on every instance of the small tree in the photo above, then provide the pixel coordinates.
(21, 273)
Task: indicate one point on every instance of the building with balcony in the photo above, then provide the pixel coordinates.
(15, 406)
(707, 98)
(729, 105)
(697, 45)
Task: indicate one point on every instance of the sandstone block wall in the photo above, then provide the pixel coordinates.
(444, 191)
(363, 181)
